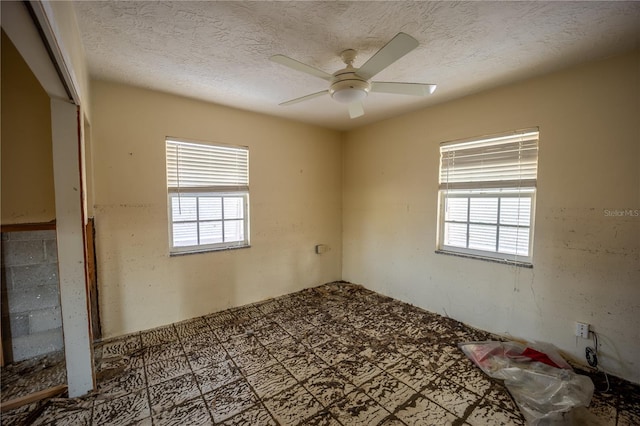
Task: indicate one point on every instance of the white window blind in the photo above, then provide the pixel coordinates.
(200, 167)
(487, 195)
(505, 161)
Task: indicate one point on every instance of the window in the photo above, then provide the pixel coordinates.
(487, 196)
(208, 196)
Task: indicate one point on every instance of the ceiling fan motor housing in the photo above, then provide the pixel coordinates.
(347, 86)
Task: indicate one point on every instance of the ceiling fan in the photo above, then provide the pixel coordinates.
(351, 85)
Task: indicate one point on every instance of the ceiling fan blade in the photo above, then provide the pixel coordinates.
(304, 98)
(299, 66)
(399, 46)
(414, 89)
(356, 109)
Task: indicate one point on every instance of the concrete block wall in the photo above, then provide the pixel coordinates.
(31, 318)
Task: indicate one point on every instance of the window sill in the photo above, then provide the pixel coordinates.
(487, 259)
(208, 250)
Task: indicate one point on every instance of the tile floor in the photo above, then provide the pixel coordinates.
(333, 355)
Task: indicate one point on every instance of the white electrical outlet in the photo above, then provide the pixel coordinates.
(582, 330)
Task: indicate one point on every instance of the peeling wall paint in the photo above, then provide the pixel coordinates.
(586, 261)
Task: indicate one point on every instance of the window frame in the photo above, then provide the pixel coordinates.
(491, 188)
(478, 253)
(215, 191)
(202, 247)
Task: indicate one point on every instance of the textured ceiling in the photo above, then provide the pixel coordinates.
(219, 51)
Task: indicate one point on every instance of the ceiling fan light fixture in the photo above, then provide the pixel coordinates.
(349, 91)
(349, 95)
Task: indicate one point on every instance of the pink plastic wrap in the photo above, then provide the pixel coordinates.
(542, 384)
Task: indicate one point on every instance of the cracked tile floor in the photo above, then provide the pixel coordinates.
(334, 355)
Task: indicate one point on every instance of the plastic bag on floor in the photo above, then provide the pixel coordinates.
(542, 384)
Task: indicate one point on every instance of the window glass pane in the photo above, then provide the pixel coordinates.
(210, 232)
(233, 230)
(514, 241)
(210, 208)
(484, 210)
(233, 207)
(456, 209)
(482, 237)
(185, 234)
(455, 234)
(515, 211)
(183, 207)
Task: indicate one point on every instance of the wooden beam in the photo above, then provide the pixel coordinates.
(12, 404)
(16, 227)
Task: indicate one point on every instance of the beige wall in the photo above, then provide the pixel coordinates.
(295, 203)
(586, 264)
(27, 159)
